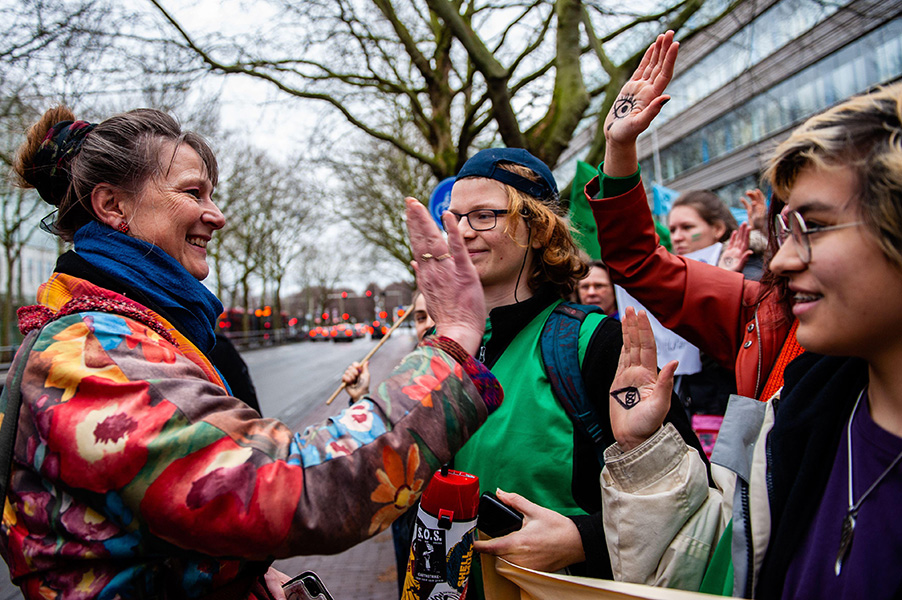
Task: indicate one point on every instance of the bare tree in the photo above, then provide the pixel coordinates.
(285, 243)
(18, 209)
(266, 210)
(320, 272)
(372, 199)
(463, 72)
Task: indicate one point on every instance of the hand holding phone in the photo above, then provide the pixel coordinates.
(306, 586)
(497, 518)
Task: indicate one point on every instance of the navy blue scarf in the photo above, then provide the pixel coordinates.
(156, 274)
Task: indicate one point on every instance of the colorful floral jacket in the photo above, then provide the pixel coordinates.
(135, 475)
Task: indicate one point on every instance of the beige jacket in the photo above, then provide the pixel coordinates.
(662, 521)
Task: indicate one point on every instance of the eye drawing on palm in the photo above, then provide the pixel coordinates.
(623, 107)
(627, 397)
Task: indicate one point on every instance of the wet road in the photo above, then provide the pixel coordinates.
(293, 380)
(293, 383)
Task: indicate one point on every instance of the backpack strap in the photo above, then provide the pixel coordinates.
(560, 354)
(10, 401)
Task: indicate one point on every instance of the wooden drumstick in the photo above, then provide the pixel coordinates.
(377, 346)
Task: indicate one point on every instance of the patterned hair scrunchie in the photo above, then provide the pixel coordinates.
(50, 174)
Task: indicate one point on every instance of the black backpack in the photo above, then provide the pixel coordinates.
(560, 354)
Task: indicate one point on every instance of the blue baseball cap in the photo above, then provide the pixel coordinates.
(485, 164)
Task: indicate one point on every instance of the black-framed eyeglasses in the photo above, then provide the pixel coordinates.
(481, 219)
(799, 230)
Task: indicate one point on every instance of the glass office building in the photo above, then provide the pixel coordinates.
(744, 83)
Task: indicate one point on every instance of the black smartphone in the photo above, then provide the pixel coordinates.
(497, 518)
(306, 586)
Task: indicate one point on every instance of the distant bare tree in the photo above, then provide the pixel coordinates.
(19, 210)
(372, 200)
(319, 273)
(285, 244)
(266, 210)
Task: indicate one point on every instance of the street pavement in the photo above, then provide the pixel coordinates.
(293, 383)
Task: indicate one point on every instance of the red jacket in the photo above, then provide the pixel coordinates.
(717, 310)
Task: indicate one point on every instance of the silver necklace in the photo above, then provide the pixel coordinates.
(848, 523)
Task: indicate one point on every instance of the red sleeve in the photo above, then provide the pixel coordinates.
(701, 302)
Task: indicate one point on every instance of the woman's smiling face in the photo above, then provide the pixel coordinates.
(175, 210)
(690, 232)
(848, 298)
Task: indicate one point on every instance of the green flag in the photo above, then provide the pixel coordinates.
(663, 234)
(580, 214)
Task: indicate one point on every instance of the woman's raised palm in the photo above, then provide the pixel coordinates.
(640, 395)
(641, 99)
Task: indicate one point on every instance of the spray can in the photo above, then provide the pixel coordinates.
(441, 548)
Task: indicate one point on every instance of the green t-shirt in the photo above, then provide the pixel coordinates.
(526, 446)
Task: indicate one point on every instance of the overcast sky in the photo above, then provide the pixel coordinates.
(272, 119)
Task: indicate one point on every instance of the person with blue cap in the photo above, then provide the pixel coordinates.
(508, 207)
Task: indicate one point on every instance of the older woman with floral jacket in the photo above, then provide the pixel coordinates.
(135, 473)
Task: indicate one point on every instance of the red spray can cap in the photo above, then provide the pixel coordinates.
(453, 492)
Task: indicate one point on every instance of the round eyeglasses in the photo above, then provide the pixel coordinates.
(481, 219)
(796, 228)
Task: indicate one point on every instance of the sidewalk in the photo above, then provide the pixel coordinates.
(366, 571)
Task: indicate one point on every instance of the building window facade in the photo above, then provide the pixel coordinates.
(873, 59)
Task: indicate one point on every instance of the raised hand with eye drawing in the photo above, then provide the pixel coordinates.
(640, 396)
(640, 100)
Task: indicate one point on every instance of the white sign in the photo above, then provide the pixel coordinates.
(707, 255)
(670, 345)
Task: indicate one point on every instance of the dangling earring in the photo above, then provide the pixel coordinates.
(123, 227)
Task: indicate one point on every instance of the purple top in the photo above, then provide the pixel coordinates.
(873, 566)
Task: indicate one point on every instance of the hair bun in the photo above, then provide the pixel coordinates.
(49, 173)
